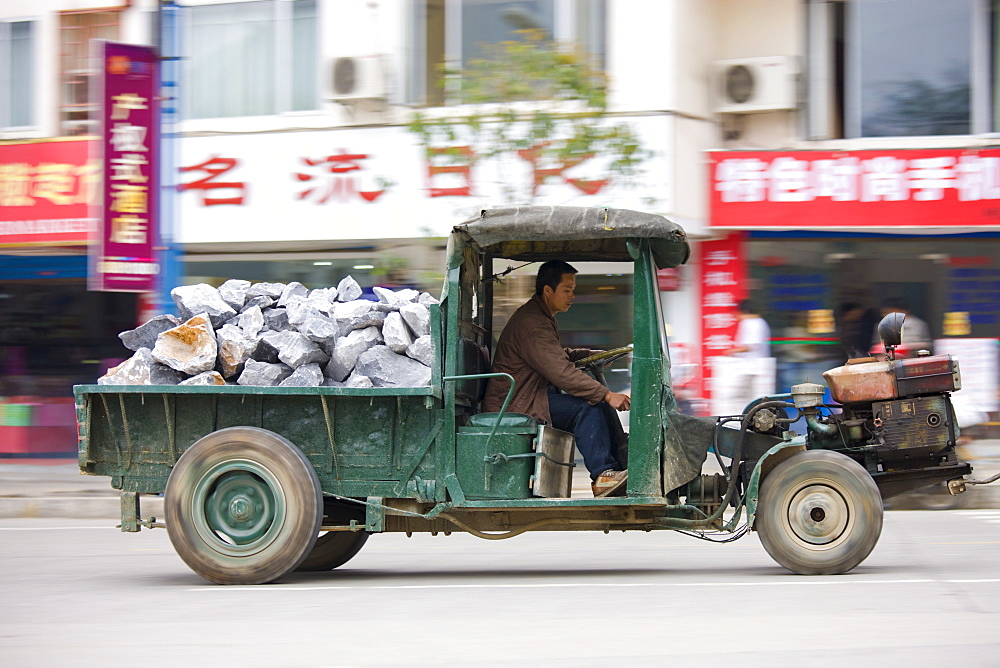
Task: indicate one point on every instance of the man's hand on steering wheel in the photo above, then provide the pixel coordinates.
(620, 402)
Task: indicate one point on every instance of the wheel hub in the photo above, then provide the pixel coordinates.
(818, 514)
(240, 508)
(237, 507)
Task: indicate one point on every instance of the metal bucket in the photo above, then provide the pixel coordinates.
(554, 463)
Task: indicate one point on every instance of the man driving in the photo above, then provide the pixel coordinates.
(549, 387)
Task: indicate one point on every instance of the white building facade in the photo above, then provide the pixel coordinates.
(292, 159)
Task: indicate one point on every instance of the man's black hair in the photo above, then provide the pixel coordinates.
(551, 273)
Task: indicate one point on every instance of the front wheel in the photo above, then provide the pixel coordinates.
(820, 513)
(243, 506)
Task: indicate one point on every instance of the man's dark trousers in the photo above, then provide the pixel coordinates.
(589, 425)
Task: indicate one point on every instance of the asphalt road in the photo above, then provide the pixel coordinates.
(80, 593)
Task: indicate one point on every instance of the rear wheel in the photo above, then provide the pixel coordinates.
(820, 513)
(243, 506)
(333, 549)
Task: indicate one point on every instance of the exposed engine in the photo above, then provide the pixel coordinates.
(895, 416)
(898, 405)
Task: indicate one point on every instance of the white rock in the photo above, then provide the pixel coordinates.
(422, 350)
(206, 378)
(417, 317)
(295, 289)
(235, 348)
(294, 349)
(272, 290)
(234, 292)
(345, 352)
(307, 375)
(353, 309)
(251, 321)
(141, 369)
(263, 373)
(357, 380)
(348, 289)
(298, 309)
(387, 369)
(397, 335)
(202, 298)
(190, 347)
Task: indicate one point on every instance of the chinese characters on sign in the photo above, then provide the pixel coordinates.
(123, 258)
(341, 184)
(214, 167)
(826, 189)
(723, 285)
(344, 176)
(46, 189)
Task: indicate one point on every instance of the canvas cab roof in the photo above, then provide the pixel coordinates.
(538, 233)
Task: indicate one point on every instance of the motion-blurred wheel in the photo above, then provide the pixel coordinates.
(819, 513)
(243, 506)
(333, 549)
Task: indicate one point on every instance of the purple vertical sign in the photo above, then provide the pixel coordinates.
(123, 257)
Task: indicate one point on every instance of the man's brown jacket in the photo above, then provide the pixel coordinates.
(530, 351)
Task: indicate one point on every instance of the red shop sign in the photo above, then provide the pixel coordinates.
(123, 259)
(46, 189)
(723, 284)
(849, 189)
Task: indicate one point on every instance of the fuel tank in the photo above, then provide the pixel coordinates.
(870, 379)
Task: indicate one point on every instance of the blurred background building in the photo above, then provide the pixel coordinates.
(824, 156)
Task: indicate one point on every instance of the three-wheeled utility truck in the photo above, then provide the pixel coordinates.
(262, 481)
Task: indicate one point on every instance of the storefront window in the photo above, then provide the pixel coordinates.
(77, 72)
(235, 50)
(913, 69)
(57, 334)
(463, 30)
(935, 279)
(994, 69)
(900, 67)
(16, 74)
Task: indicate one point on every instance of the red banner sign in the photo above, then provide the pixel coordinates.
(46, 189)
(723, 286)
(849, 189)
(123, 259)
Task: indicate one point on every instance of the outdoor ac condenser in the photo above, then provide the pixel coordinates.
(754, 85)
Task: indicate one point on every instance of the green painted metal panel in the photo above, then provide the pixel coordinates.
(646, 433)
(495, 468)
(135, 437)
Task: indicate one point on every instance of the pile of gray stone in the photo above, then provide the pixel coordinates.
(283, 335)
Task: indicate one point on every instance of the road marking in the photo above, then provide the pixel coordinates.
(616, 585)
(988, 516)
(53, 528)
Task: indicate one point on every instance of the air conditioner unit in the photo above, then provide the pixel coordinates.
(752, 85)
(357, 78)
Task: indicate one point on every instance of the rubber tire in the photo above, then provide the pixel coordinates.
(333, 549)
(820, 513)
(249, 481)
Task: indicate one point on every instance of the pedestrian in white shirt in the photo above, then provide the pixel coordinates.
(754, 374)
(753, 336)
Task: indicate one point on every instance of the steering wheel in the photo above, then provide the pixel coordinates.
(603, 359)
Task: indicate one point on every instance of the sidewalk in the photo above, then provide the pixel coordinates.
(55, 488)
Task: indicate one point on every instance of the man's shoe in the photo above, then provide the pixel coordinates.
(610, 483)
